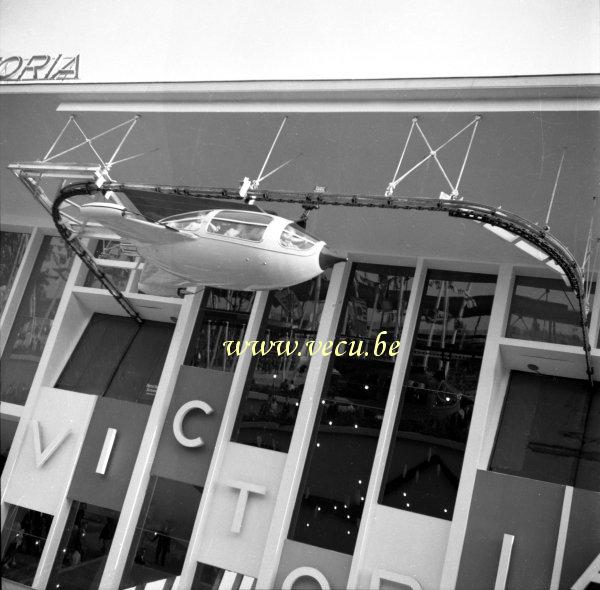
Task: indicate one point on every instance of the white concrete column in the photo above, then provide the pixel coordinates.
(55, 534)
(140, 476)
(299, 445)
(387, 432)
(38, 380)
(486, 410)
(225, 433)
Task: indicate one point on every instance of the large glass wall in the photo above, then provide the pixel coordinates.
(117, 357)
(268, 410)
(433, 420)
(8, 428)
(163, 532)
(34, 319)
(549, 431)
(338, 467)
(23, 538)
(12, 248)
(223, 316)
(545, 310)
(84, 547)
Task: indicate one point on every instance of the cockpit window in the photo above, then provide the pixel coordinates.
(186, 221)
(294, 239)
(245, 216)
(228, 224)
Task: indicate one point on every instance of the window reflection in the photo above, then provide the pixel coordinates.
(222, 316)
(244, 225)
(337, 471)
(84, 547)
(110, 250)
(12, 248)
(207, 577)
(163, 533)
(34, 319)
(7, 433)
(549, 431)
(269, 407)
(293, 238)
(438, 394)
(191, 222)
(545, 310)
(23, 539)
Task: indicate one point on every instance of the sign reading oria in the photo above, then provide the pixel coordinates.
(39, 68)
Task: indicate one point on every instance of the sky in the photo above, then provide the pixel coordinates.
(213, 40)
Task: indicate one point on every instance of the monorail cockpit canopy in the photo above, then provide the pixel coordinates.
(243, 225)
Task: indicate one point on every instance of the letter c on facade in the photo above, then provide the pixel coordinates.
(308, 572)
(179, 418)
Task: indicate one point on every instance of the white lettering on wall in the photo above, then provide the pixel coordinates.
(42, 457)
(504, 563)
(107, 447)
(305, 572)
(240, 508)
(39, 67)
(181, 438)
(379, 575)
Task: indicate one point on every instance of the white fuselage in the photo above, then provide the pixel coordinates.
(191, 247)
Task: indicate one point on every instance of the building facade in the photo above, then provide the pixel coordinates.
(417, 417)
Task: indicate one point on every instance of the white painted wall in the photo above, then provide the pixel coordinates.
(61, 416)
(154, 40)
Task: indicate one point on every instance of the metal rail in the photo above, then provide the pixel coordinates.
(495, 216)
(72, 240)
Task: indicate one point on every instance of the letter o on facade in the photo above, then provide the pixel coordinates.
(308, 572)
(180, 417)
(4, 64)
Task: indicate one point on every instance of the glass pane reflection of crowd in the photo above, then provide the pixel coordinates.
(23, 545)
(268, 411)
(84, 547)
(438, 394)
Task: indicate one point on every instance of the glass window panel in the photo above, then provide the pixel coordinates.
(223, 316)
(23, 539)
(236, 229)
(293, 238)
(207, 577)
(246, 216)
(338, 467)
(163, 532)
(425, 457)
(84, 547)
(191, 222)
(268, 410)
(545, 310)
(12, 248)
(34, 319)
(118, 358)
(548, 431)
(110, 250)
(7, 433)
